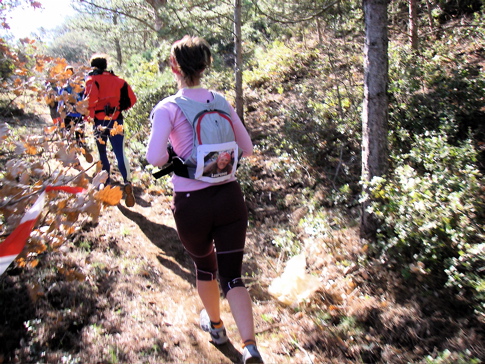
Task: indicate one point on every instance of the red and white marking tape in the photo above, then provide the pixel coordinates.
(11, 247)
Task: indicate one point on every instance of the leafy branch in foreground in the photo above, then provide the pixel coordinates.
(35, 162)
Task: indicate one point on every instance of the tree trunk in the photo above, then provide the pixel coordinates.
(375, 108)
(156, 5)
(119, 53)
(430, 15)
(413, 24)
(238, 61)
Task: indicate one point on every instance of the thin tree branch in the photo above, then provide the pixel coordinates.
(293, 21)
(13, 201)
(114, 11)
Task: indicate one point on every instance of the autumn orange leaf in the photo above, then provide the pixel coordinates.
(30, 149)
(58, 68)
(62, 204)
(117, 129)
(78, 88)
(82, 182)
(109, 195)
(21, 72)
(72, 274)
(21, 262)
(50, 130)
(72, 217)
(71, 230)
(99, 167)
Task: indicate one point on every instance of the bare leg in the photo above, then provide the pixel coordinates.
(242, 311)
(239, 301)
(210, 295)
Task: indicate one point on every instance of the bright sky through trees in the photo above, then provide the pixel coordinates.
(25, 19)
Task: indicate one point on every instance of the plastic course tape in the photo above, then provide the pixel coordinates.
(13, 245)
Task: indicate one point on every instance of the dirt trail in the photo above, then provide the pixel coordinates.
(145, 307)
(165, 308)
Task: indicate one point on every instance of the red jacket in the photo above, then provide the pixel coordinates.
(106, 90)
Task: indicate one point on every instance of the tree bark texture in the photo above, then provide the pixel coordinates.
(119, 53)
(430, 15)
(375, 107)
(156, 5)
(413, 24)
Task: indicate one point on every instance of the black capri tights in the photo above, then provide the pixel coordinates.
(211, 224)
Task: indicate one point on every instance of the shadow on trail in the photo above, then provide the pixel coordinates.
(14, 294)
(165, 238)
(138, 192)
(229, 352)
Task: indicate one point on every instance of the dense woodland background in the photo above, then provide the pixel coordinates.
(415, 294)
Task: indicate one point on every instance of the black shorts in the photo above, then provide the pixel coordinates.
(214, 217)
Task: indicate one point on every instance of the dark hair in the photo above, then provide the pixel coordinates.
(193, 55)
(99, 61)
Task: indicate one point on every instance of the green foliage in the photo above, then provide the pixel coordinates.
(150, 86)
(431, 206)
(318, 122)
(287, 243)
(434, 91)
(432, 212)
(257, 30)
(323, 141)
(220, 78)
(447, 357)
(274, 66)
(244, 176)
(74, 46)
(322, 223)
(452, 8)
(7, 65)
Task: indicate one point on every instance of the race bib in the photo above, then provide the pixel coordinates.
(216, 162)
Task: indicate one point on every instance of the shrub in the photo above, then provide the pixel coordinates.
(274, 66)
(431, 211)
(431, 91)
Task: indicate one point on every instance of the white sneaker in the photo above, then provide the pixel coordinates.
(219, 335)
(251, 355)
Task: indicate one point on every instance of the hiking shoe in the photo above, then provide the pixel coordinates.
(251, 355)
(219, 335)
(88, 156)
(130, 197)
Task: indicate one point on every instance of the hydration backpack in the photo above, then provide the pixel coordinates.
(215, 153)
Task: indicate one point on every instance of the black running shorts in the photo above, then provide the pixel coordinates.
(211, 224)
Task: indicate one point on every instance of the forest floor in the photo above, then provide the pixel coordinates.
(122, 290)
